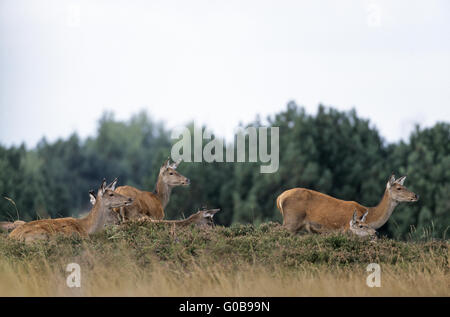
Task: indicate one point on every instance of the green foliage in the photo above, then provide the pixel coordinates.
(333, 152)
(426, 161)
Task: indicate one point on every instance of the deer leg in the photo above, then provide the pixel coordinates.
(308, 227)
(122, 213)
(314, 227)
(144, 218)
(293, 220)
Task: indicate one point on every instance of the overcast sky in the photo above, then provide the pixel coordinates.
(219, 62)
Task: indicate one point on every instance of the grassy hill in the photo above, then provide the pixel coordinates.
(143, 259)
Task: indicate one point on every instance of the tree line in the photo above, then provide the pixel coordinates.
(334, 152)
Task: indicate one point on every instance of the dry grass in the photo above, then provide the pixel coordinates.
(221, 281)
(238, 261)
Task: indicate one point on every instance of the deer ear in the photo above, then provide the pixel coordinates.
(401, 180)
(210, 213)
(390, 181)
(363, 218)
(165, 164)
(353, 220)
(102, 188)
(175, 165)
(92, 197)
(112, 186)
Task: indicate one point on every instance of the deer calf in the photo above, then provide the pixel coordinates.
(200, 218)
(359, 226)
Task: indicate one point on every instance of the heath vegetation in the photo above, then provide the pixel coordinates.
(151, 259)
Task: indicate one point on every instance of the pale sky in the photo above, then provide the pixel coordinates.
(219, 62)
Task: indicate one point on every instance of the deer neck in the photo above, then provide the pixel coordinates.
(183, 222)
(163, 191)
(96, 218)
(380, 214)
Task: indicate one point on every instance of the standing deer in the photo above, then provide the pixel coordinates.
(152, 204)
(307, 209)
(99, 216)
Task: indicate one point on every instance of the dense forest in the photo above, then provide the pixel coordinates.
(332, 151)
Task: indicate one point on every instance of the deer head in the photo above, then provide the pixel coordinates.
(9, 226)
(110, 199)
(398, 192)
(203, 217)
(359, 226)
(169, 175)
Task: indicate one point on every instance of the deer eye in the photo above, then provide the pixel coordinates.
(110, 195)
(170, 173)
(398, 188)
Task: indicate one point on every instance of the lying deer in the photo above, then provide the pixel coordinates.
(100, 215)
(200, 218)
(359, 226)
(312, 211)
(152, 204)
(9, 226)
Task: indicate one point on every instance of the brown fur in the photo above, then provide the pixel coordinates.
(152, 204)
(306, 209)
(93, 222)
(360, 228)
(8, 226)
(44, 228)
(200, 218)
(145, 204)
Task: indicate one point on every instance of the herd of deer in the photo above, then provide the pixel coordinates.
(301, 208)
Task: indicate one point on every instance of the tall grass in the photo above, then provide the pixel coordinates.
(242, 260)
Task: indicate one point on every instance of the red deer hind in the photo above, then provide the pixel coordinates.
(312, 211)
(152, 204)
(97, 218)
